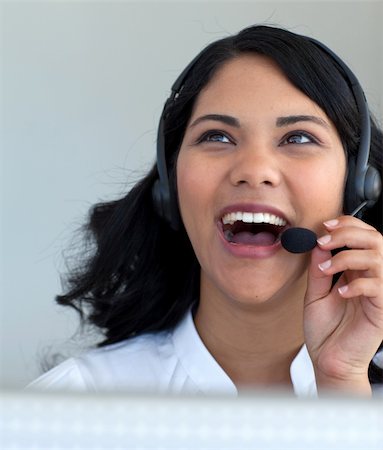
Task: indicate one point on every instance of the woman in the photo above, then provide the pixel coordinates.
(259, 136)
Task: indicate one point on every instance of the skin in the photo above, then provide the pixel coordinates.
(256, 312)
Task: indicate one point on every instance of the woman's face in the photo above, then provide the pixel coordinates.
(257, 156)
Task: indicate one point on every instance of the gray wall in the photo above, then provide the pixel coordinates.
(82, 87)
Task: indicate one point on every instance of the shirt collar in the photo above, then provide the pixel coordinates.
(197, 361)
(209, 376)
(302, 374)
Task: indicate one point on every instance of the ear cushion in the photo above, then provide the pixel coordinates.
(372, 187)
(157, 199)
(351, 200)
(165, 204)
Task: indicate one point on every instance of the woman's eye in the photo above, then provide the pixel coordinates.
(298, 138)
(215, 136)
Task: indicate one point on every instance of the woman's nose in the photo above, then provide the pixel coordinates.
(256, 165)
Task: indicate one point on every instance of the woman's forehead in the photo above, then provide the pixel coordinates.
(253, 84)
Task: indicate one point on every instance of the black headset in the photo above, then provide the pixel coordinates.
(364, 184)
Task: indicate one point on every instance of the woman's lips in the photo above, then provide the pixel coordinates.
(251, 229)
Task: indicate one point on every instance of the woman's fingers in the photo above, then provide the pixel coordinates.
(368, 261)
(353, 237)
(366, 287)
(343, 221)
(361, 249)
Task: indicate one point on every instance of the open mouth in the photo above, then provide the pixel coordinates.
(257, 229)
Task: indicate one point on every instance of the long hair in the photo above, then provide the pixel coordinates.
(141, 276)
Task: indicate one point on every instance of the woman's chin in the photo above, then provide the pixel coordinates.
(254, 288)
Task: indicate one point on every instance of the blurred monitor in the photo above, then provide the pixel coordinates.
(31, 420)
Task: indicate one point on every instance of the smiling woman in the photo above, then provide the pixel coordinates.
(189, 281)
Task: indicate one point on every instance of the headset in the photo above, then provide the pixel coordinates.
(364, 183)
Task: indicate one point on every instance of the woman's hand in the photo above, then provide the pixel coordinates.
(344, 324)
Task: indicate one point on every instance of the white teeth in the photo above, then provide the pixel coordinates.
(258, 218)
(249, 217)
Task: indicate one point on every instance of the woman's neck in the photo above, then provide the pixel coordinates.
(254, 344)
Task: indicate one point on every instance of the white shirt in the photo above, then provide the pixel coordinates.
(173, 361)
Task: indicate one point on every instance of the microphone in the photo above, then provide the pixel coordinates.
(298, 240)
(301, 240)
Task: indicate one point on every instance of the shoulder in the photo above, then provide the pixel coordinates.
(137, 362)
(174, 361)
(67, 375)
(141, 362)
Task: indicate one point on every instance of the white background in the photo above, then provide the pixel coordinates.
(82, 88)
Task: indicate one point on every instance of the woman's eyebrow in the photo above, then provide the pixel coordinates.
(228, 120)
(291, 120)
(280, 122)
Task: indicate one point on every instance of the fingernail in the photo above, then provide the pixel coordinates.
(325, 265)
(343, 290)
(331, 223)
(324, 239)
